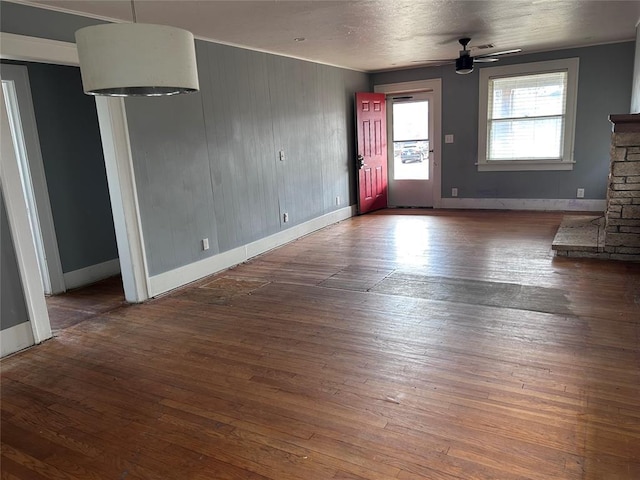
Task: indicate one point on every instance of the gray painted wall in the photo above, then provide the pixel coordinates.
(71, 149)
(604, 87)
(13, 310)
(635, 96)
(207, 164)
(41, 23)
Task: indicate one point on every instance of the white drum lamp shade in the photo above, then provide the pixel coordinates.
(137, 59)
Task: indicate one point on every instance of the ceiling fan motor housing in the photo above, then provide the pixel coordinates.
(464, 64)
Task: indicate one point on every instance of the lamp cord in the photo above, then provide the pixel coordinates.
(133, 12)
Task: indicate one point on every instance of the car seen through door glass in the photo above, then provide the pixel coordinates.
(410, 140)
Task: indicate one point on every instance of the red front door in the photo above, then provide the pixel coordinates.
(371, 118)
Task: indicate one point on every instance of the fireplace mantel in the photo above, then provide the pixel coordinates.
(627, 122)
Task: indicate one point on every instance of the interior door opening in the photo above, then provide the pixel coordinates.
(30, 183)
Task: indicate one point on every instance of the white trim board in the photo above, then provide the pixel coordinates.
(116, 147)
(543, 204)
(164, 282)
(406, 87)
(16, 338)
(91, 274)
(34, 49)
(21, 234)
(19, 75)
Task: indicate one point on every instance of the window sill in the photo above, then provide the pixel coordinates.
(516, 166)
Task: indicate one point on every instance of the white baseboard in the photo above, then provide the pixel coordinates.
(163, 282)
(91, 274)
(546, 204)
(16, 338)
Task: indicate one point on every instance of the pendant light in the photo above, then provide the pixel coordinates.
(136, 59)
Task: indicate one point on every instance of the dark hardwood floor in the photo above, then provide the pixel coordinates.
(82, 304)
(427, 345)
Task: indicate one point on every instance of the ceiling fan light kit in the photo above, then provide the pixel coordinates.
(137, 59)
(464, 63)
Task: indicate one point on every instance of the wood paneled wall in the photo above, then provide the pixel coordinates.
(207, 165)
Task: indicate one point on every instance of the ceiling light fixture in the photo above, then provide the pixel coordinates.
(464, 64)
(137, 59)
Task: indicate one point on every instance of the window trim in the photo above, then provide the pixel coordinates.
(570, 65)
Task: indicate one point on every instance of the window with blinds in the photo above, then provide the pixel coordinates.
(526, 117)
(527, 114)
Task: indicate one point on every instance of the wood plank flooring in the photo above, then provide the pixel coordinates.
(81, 304)
(426, 345)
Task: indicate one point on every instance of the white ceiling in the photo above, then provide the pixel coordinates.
(379, 34)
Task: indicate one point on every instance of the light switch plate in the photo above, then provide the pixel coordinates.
(448, 138)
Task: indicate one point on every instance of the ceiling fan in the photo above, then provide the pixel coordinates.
(464, 63)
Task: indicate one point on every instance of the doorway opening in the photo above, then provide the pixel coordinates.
(83, 303)
(32, 187)
(410, 134)
(414, 143)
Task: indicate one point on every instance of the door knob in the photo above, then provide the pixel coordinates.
(360, 162)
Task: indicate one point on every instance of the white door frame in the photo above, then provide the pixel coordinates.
(18, 75)
(114, 131)
(435, 86)
(117, 156)
(21, 234)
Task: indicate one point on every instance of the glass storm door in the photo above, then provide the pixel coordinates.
(410, 127)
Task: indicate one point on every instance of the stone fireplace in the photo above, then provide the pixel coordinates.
(615, 236)
(622, 216)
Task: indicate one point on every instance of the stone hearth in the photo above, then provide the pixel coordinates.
(617, 235)
(580, 236)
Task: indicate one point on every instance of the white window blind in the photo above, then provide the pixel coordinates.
(526, 117)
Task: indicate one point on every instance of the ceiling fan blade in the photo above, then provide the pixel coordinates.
(495, 54)
(484, 59)
(436, 62)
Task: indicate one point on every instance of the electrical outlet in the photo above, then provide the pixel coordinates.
(454, 192)
(205, 244)
(285, 217)
(580, 193)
